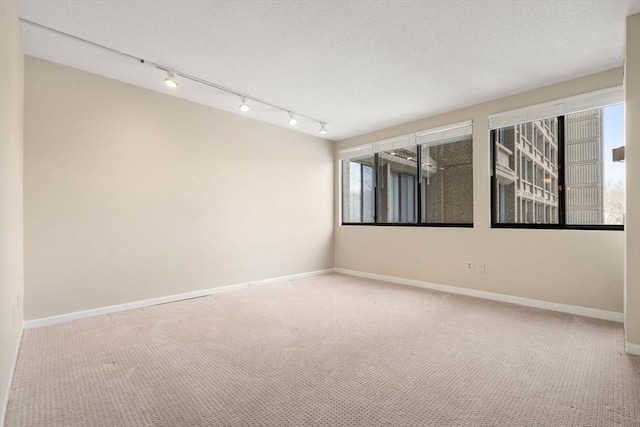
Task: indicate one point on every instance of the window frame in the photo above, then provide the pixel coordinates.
(561, 225)
(375, 191)
(417, 191)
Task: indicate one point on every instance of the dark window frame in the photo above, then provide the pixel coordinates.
(375, 193)
(561, 225)
(417, 205)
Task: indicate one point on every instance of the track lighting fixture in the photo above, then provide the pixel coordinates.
(170, 80)
(244, 105)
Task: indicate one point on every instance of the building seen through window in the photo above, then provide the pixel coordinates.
(397, 183)
(447, 181)
(421, 179)
(358, 190)
(574, 149)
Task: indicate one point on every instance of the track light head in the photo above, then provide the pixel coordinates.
(244, 105)
(292, 120)
(323, 129)
(170, 80)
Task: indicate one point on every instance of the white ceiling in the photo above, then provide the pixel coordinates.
(358, 65)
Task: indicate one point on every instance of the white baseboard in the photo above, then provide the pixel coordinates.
(47, 321)
(5, 404)
(565, 308)
(632, 348)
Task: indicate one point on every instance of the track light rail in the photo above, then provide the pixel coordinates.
(174, 72)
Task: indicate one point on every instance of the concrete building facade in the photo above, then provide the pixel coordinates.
(585, 167)
(528, 171)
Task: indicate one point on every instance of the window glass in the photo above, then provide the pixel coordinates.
(540, 136)
(397, 183)
(447, 181)
(424, 178)
(358, 190)
(595, 184)
(523, 188)
(530, 186)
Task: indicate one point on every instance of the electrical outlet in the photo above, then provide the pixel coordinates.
(470, 265)
(481, 267)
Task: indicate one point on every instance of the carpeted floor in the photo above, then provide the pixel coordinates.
(327, 351)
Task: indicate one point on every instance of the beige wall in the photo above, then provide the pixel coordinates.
(11, 121)
(632, 161)
(131, 194)
(583, 268)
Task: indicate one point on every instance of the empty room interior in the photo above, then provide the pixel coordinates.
(320, 213)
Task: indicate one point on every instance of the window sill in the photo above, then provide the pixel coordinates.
(402, 224)
(602, 227)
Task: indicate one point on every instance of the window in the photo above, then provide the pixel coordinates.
(594, 183)
(547, 181)
(447, 181)
(358, 190)
(539, 174)
(540, 137)
(525, 130)
(397, 174)
(420, 179)
(504, 207)
(576, 184)
(540, 213)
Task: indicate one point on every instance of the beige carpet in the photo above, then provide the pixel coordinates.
(327, 351)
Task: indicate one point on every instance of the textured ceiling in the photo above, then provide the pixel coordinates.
(358, 65)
